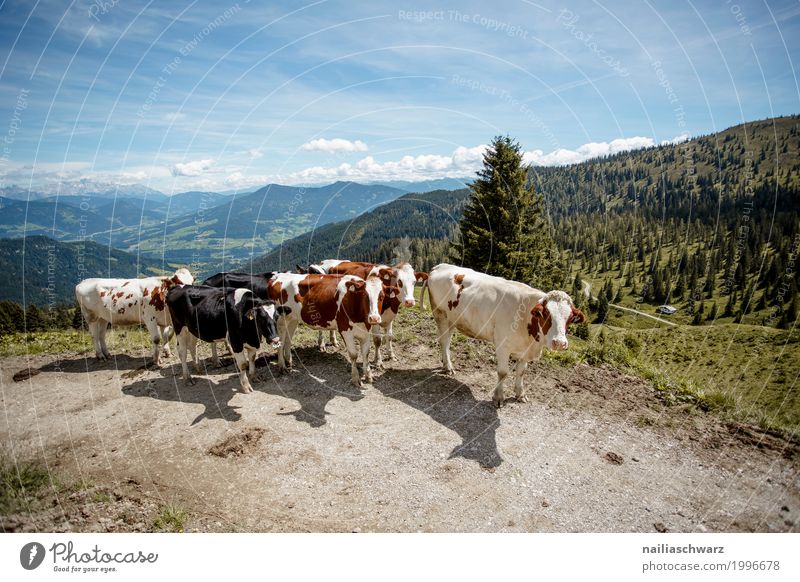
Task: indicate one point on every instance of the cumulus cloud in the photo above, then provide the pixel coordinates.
(195, 168)
(334, 145)
(563, 157)
(676, 140)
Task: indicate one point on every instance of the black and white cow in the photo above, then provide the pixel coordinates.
(257, 283)
(234, 315)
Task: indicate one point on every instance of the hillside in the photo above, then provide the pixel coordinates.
(427, 218)
(48, 270)
(247, 224)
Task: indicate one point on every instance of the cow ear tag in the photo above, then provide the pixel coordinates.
(352, 288)
(250, 314)
(392, 295)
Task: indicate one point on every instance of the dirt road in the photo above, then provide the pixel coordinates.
(592, 449)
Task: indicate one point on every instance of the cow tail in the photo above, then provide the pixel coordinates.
(422, 295)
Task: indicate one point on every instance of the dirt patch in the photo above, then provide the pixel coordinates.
(613, 458)
(25, 374)
(238, 444)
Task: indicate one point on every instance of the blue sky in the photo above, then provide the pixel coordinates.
(218, 95)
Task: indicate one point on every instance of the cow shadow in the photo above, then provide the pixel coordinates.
(313, 383)
(451, 404)
(215, 396)
(88, 363)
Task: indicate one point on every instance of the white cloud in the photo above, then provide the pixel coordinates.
(562, 157)
(334, 145)
(255, 153)
(196, 168)
(176, 116)
(676, 140)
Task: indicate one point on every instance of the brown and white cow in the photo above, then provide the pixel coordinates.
(343, 303)
(401, 276)
(519, 320)
(129, 302)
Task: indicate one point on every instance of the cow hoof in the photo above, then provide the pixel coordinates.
(368, 379)
(450, 371)
(522, 398)
(247, 390)
(190, 381)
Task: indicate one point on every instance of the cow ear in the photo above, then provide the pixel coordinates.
(577, 316)
(283, 309)
(538, 310)
(421, 276)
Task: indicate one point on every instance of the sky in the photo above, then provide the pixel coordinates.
(221, 95)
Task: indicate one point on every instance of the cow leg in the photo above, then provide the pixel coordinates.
(251, 360)
(352, 354)
(446, 332)
(519, 371)
(103, 329)
(241, 366)
(166, 334)
(286, 332)
(388, 335)
(94, 329)
(364, 342)
(377, 339)
(334, 341)
(321, 341)
(502, 355)
(184, 343)
(155, 336)
(214, 356)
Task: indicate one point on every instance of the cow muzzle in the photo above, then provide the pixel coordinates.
(276, 342)
(374, 319)
(559, 345)
(409, 302)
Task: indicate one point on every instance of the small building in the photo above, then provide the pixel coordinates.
(666, 309)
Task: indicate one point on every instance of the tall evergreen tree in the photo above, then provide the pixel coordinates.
(503, 230)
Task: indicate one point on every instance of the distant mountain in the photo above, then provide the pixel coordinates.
(427, 218)
(246, 225)
(48, 270)
(18, 218)
(186, 202)
(84, 187)
(430, 185)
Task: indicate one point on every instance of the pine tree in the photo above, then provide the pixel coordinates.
(602, 308)
(34, 320)
(503, 230)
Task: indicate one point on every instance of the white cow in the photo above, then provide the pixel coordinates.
(519, 320)
(129, 302)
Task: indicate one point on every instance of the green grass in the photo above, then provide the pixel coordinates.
(69, 341)
(747, 373)
(170, 518)
(21, 485)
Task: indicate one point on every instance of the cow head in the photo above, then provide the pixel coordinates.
(266, 314)
(391, 299)
(405, 278)
(182, 277)
(551, 317)
(369, 295)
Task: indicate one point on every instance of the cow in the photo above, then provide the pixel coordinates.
(129, 302)
(234, 315)
(343, 303)
(401, 276)
(256, 283)
(519, 320)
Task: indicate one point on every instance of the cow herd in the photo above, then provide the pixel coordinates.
(358, 301)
